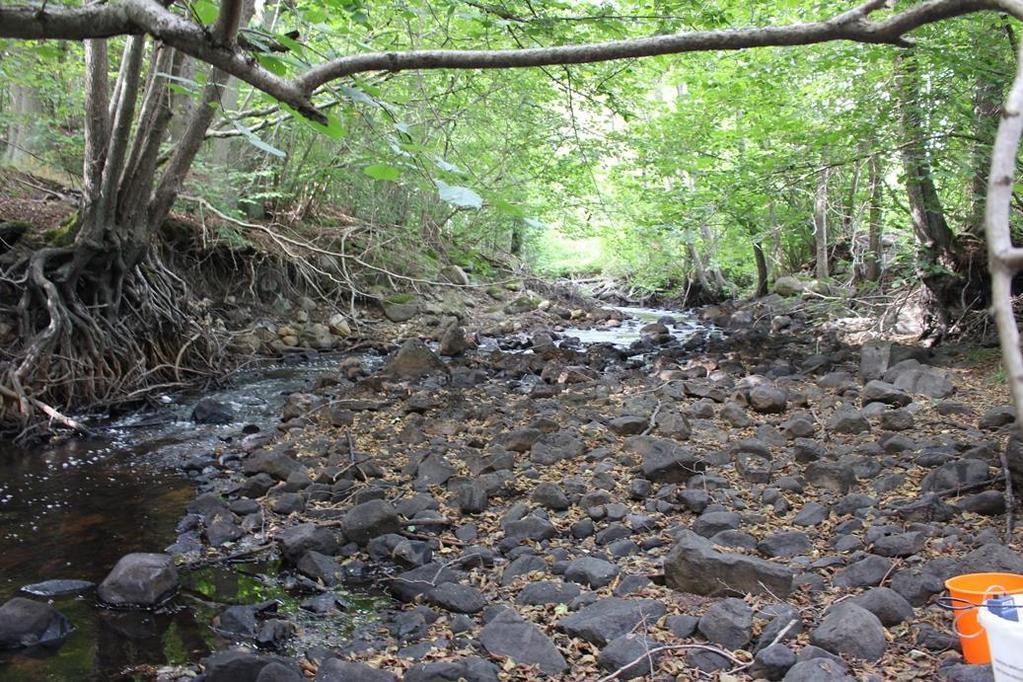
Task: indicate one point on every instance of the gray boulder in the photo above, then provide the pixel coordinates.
(608, 619)
(365, 521)
(142, 580)
(26, 622)
(509, 635)
(694, 565)
(415, 360)
(851, 630)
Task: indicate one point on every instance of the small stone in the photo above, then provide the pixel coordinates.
(771, 663)
(592, 572)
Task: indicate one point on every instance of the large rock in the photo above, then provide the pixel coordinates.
(665, 461)
(415, 360)
(297, 540)
(928, 381)
(608, 619)
(365, 521)
(629, 653)
(336, 670)
(694, 565)
(210, 411)
(140, 579)
(509, 635)
(851, 630)
(26, 622)
(399, 311)
(787, 286)
(728, 623)
(239, 665)
(470, 669)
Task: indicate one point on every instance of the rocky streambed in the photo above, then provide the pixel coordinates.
(765, 504)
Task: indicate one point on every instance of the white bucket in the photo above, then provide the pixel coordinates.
(1005, 637)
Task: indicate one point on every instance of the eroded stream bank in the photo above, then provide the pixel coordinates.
(70, 511)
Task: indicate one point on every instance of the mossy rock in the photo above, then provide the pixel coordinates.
(64, 234)
(522, 304)
(495, 292)
(399, 299)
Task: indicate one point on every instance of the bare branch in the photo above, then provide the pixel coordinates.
(1003, 257)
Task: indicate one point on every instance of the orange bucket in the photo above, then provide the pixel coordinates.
(966, 593)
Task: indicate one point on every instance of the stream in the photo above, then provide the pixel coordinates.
(72, 510)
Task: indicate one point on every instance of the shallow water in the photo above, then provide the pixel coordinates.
(72, 510)
(686, 326)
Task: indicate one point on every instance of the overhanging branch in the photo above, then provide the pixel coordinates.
(149, 16)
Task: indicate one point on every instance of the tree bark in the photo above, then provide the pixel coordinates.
(820, 223)
(758, 256)
(929, 221)
(872, 258)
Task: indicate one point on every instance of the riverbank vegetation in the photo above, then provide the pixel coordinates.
(846, 151)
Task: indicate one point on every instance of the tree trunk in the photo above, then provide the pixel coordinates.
(820, 223)
(872, 258)
(758, 256)
(929, 221)
(24, 131)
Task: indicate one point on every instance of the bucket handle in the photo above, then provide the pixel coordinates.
(948, 603)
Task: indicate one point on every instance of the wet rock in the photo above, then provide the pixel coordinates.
(888, 605)
(366, 521)
(453, 341)
(728, 623)
(336, 670)
(664, 461)
(851, 630)
(297, 540)
(631, 651)
(415, 360)
(592, 572)
(608, 619)
(771, 663)
(509, 635)
(211, 411)
(234, 665)
(237, 622)
(457, 598)
(140, 579)
(299, 404)
(320, 567)
(58, 588)
(693, 565)
(26, 623)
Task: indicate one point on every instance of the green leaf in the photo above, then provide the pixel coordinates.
(381, 171)
(205, 11)
(272, 64)
(254, 140)
(462, 197)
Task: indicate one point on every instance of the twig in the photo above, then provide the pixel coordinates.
(653, 419)
(672, 647)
